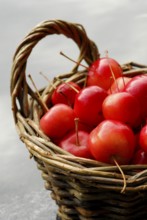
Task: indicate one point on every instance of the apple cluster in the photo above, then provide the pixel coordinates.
(105, 119)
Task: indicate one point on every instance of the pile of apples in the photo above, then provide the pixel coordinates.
(104, 120)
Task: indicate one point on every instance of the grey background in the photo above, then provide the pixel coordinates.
(117, 26)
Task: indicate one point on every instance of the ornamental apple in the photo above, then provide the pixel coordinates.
(143, 138)
(103, 72)
(119, 84)
(140, 157)
(88, 105)
(65, 93)
(57, 121)
(124, 107)
(76, 145)
(112, 140)
(137, 87)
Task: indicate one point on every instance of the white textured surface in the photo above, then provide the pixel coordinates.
(29, 206)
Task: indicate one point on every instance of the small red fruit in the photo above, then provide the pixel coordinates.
(57, 121)
(122, 106)
(112, 140)
(76, 147)
(103, 72)
(137, 87)
(119, 84)
(140, 157)
(143, 138)
(88, 105)
(65, 93)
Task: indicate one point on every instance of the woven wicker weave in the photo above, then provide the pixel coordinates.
(83, 189)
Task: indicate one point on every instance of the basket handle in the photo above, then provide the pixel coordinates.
(88, 52)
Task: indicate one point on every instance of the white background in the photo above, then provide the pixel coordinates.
(117, 26)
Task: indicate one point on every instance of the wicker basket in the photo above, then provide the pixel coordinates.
(83, 189)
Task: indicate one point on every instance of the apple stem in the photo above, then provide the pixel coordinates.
(54, 87)
(112, 73)
(110, 85)
(123, 175)
(71, 86)
(38, 94)
(72, 60)
(76, 129)
(123, 81)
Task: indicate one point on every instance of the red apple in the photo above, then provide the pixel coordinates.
(119, 84)
(103, 71)
(137, 87)
(76, 145)
(112, 140)
(65, 93)
(88, 105)
(140, 157)
(143, 138)
(57, 121)
(124, 107)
